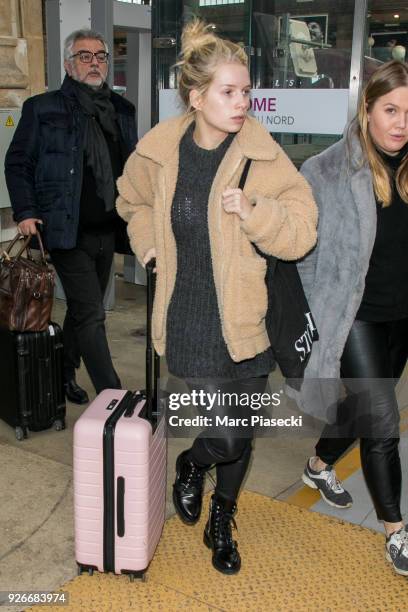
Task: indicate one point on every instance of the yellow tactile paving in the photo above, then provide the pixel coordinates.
(293, 560)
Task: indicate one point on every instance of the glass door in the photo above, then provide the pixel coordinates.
(300, 58)
(302, 51)
(387, 33)
(232, 20)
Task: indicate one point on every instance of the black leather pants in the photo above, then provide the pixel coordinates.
(230, 451)
(376, 354)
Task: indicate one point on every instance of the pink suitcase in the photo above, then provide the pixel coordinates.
(120, 476)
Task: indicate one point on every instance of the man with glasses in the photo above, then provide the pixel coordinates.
(61, 168)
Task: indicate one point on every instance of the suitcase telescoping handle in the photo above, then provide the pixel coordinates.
(152, 369)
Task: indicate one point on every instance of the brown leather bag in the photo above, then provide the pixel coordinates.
(26, 288)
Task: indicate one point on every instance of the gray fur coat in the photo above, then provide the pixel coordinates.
(333, 273)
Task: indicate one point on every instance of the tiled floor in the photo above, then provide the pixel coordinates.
(36, 513)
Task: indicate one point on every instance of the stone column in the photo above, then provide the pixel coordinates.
(32, 32)
(22, 70)
(13, 56)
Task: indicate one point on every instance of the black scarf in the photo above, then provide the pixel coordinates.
(99, 111)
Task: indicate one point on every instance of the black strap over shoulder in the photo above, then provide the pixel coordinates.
(289, 322)
(244, 174)
(272, 261)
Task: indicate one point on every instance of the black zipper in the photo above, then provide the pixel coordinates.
(128, 400)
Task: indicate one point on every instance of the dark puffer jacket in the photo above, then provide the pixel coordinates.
(44, 162)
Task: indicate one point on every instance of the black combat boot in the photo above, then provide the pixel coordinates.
(188, 489)
(218, 536)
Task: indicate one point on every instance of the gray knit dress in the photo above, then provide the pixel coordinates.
(195, 346)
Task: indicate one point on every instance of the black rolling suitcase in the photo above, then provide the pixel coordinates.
(31, 380)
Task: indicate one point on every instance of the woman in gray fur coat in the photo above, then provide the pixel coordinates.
(356, 282)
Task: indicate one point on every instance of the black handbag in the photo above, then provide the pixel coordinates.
(289, 321)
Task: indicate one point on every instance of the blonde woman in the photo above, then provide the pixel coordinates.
(179, 195)
(356, 283)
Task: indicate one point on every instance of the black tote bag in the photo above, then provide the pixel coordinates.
(289, 321)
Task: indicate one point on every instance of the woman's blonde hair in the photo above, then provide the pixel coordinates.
(384, 80)
(201, 52)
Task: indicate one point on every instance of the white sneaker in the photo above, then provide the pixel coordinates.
(329, 486)
(396, 550)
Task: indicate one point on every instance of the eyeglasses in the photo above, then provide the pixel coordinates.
(86, 57)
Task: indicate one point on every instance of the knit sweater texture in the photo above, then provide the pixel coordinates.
(195, 345)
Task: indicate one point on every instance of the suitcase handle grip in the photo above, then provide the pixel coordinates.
(151, 388)
(120, 506)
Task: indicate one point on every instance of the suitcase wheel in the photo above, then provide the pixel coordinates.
(81, 568)
(142, 577)
(59, 425)
(20, 433)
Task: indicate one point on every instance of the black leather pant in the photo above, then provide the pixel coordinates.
(230, 451)
(376, 352)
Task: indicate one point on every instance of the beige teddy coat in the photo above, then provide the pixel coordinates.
(282, 223)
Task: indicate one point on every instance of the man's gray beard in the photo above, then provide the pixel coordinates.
(94, 87)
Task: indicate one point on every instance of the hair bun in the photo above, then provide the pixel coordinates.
(195, 37)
